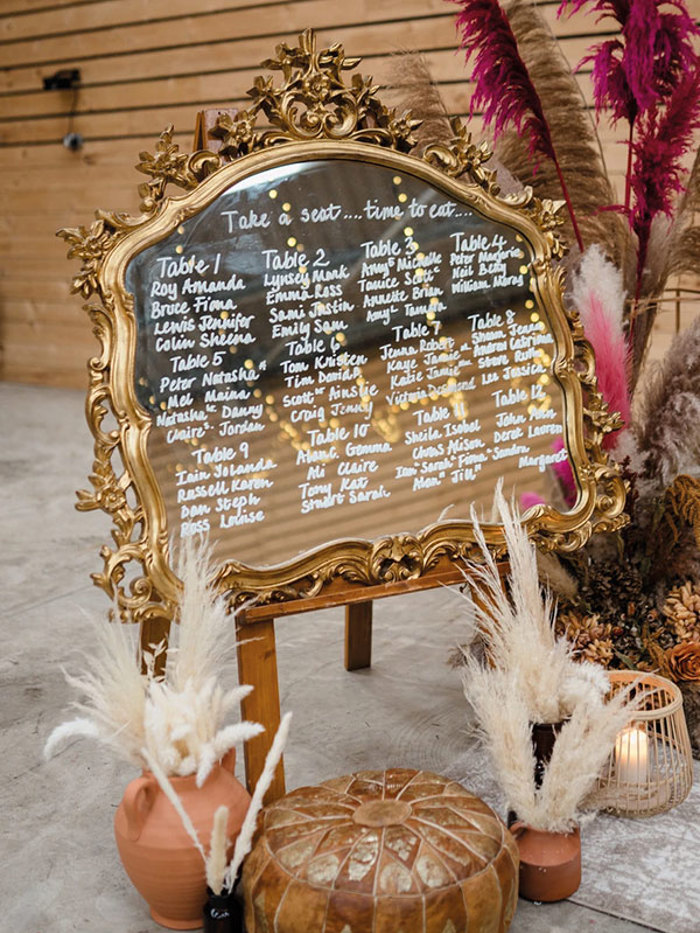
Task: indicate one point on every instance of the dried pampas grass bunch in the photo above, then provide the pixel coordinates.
(528, 676)
(516, 625)
(221, 873)
(582, 747)
(113, 698)
(410, 81)
(175, 722)
(668, 410)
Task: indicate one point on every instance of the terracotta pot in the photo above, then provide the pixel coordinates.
(159, 856)
(550, 863)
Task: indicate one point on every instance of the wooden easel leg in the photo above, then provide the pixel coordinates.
(257, 665)
(358, 636)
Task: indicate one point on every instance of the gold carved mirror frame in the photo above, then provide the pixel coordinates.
(313, 114)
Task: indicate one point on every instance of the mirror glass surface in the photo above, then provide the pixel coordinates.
(334, 349)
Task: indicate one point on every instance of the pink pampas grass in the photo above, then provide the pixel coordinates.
(649, 77)
(503, 85)
(633, 73)
(598, 296)
(663, 138)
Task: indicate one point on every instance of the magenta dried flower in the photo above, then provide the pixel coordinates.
(633, 73)
(648, 77)
(664, 137)
(503, 86)
(611, 90)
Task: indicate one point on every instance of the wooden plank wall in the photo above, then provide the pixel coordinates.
(144, 65)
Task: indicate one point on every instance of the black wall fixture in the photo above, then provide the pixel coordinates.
(65, 79)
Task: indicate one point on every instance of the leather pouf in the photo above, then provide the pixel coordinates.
(395, 851)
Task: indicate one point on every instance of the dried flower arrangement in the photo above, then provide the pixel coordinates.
(173, 725)
(637, 603)
(626, 601)
(222, 872)
(529, 676)
(646, 77)
(175, 722)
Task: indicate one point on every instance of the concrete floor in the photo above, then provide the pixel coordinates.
(60, 867)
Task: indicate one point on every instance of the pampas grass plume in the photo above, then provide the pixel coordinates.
(504, 730)
(112, 695)
(553, 573)
(581, 749)
(244, 841)
(409, 76)
(74, 728)
(518, 627)
(205, 626)
(216, 860)
(599, 297)
(530, 676)
(225, 739)
(178, 717)
(669, 411)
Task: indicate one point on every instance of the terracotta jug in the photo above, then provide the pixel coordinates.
(550, 863)
(159, 856)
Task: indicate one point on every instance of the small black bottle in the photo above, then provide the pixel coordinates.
(223, 913)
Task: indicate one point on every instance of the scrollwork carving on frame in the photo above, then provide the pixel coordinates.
(139, 601)
(390, 559)
(462, 156)
(167, 165)
(89, 244)
(599, 421)
(314, 102)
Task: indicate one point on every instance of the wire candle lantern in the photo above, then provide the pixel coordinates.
(650, 769)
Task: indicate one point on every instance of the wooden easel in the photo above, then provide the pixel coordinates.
(257, 654)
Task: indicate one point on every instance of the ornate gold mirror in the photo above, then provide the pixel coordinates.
(326, 350)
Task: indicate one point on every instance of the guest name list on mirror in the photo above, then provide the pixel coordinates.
(311, 344)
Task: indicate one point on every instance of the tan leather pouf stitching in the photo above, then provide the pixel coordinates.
(395, 851)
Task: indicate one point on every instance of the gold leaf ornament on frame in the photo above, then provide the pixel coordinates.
(167, 165)
(89, 245)
(313, 103)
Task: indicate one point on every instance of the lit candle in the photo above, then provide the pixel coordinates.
(632, 756)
